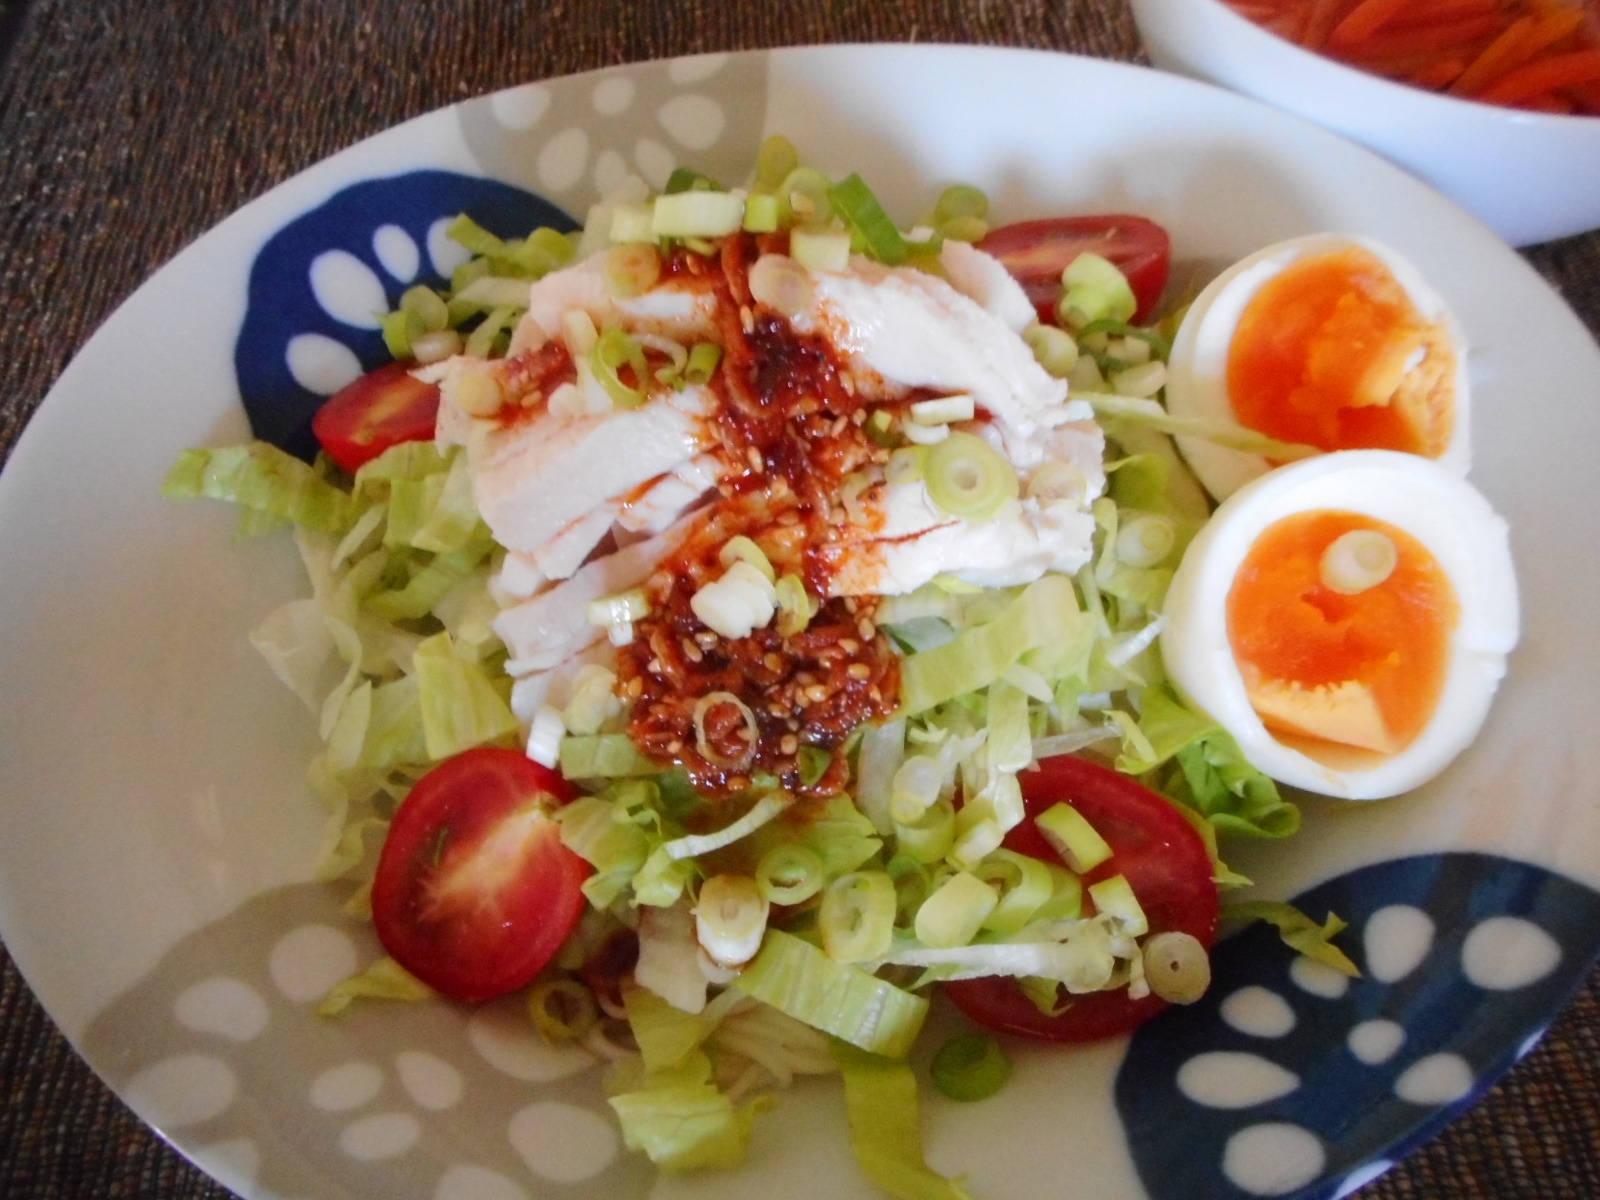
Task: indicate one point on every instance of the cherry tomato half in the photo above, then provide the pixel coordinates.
(381, 409)
(474, 892)
(1165, 863)
(1036, 252)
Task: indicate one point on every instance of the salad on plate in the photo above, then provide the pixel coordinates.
(745, 619)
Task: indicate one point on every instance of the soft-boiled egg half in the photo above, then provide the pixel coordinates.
(1347, 619)
(1328, 341)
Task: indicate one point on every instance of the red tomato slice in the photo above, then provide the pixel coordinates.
(1036, 252)
(474, 891)
(381, 409)
(1161, 856)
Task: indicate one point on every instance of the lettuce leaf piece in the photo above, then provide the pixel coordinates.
(383, 980)
(424, 590)
(263, 478)
(881, 1102)
(1046, 613)
(1298, 931)
(598, 832)
(461, 706)
(1205, 769)
(679, 1118)
(798, 979)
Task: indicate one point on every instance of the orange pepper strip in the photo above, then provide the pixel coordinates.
(1438, 74)
(1432, 12)
(1537, 37)
(1325, 14)
(1498, 57)
(1534, 79)
(1363, 21)
(1441, 38)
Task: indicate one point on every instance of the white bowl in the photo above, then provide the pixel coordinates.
(1530, 177)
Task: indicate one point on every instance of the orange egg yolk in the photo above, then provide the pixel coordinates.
(1364, 669)
(1332, 353)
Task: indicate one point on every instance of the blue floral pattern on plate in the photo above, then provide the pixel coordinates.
(390, 227)
(1288, 1079)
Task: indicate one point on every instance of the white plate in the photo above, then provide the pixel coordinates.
(158, 834)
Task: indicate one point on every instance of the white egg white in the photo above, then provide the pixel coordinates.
(1197, 373)
(1449, 517)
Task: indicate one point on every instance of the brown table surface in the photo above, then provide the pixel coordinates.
(129, 127)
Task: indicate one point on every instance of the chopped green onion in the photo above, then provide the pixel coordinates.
(904, 466)
(687, 179)
(967, 477)
(1068, 831)
(562, 1009)
(730, 919)
(795, 606)
(1357, 561)
(970, 1067)
(814, 762)
(961, 200)
(436, 346)
(697, 214)
(742, 549)
(703, 360)
(806, 189)
(476, 239)
(398, 328)
(943, 410)
(763, 213)
(928, 839)
(633, 224)
(853, 200)
(915, 787)
(782, 283)
(964, 229)
(428, 306)
(1146, 540)
(775, 162)
(1177, 967)
(633, 605)
(613, 350)
(1094, 288)
(632, 270)
(1026, 884)
(789, 873)
(820, 248)
(857, 916)
(955, 912)
(1053, 347)
(1113, 898)
(1141, 381)
(484, 341)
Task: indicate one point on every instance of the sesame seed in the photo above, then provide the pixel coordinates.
(859, 671)
(789, 744)
(866, 629)
(816, 693)
(753, 455)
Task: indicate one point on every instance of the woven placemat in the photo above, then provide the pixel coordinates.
(127, 128)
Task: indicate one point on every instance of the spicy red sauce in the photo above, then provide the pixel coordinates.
(790, 433)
